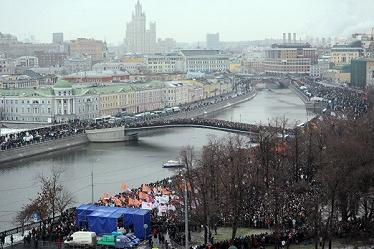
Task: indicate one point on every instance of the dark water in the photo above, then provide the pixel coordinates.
(131, 163)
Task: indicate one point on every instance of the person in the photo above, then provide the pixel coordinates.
(1, 241)
(35, 242)
(11, 239)
(150, 242)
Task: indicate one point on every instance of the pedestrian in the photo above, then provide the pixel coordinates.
(11, 239)
(1, 241)
(150, 243)
(35, 243)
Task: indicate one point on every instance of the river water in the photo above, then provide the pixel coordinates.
(132, 163)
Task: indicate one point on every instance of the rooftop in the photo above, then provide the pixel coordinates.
(197, 52)
(79, 91)
(291, 45)
(97, 73)
(63, 84)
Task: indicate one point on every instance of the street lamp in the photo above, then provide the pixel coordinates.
(185, 210)
(145, 226)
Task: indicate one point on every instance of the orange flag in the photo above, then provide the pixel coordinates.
(137, 203)
(143, 196)
(165, 191)
(131, 202)
(116, 201)
(124, 186)
(146, 189)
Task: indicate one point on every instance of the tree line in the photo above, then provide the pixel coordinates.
(319, 176)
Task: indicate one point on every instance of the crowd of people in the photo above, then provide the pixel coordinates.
(52, 231)
(24, 138)
(338, 98)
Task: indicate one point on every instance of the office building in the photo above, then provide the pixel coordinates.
(204, 60)
(88, 47)
(289, 58)
(50, 59)
(212, 41)
(58, 38)
(362, 72)
(343, 55)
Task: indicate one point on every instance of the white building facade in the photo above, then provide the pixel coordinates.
(204, 60)
(164, 63)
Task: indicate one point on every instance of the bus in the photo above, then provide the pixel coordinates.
(103, 119)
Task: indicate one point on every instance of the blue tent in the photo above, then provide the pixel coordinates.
(81, 215)
(104, 220)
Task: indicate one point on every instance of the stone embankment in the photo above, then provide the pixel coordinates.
(41, 148)
(71, 141)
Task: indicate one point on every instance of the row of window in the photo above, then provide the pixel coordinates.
(28, 110)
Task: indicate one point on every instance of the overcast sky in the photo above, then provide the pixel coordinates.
(186, 20)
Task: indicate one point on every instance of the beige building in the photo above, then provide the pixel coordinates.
(341, 56)
(252, 65)
(289, 58)
(89, 47)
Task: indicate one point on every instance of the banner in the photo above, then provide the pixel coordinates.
(147, 205)
(162, 208)
(162, 199)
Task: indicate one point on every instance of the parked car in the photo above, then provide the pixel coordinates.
(116, 240)
(133, 238)
(81, 239)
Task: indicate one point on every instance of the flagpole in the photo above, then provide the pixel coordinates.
(186, 214)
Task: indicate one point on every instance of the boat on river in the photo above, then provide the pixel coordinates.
(173, 164)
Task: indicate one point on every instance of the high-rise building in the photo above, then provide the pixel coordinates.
(212, 41)
(289, 58)
(58, 38)
(362, 72)
(138, 38)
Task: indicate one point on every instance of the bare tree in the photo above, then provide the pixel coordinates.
(51, 198)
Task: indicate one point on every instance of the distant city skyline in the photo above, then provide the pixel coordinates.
(188, 21)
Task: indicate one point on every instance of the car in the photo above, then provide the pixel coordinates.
(116, 240)
(133, 238)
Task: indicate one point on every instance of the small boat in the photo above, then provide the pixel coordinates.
(173, 164)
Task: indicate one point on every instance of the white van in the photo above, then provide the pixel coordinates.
(176, 109)
(83, 239)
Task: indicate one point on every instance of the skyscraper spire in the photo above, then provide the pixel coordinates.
(138, 9)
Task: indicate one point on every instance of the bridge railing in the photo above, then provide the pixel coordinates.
(30, 226)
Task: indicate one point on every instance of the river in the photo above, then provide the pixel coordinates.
(132, 163)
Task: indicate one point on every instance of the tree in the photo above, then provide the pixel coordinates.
(51, 199)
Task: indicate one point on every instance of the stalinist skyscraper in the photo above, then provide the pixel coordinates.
(138, 38)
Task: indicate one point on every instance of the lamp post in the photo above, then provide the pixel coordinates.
(185, 210)
(145, 226)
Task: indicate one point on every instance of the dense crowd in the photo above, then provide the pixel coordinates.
(338, 98)
(23, 138)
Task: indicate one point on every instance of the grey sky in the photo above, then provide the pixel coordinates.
(186, 20)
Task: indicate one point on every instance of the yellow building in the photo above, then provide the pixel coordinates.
(341, 56)
(211, 88)
(338, 76)
(234, 67)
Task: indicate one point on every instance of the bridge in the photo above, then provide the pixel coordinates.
(134, 131)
